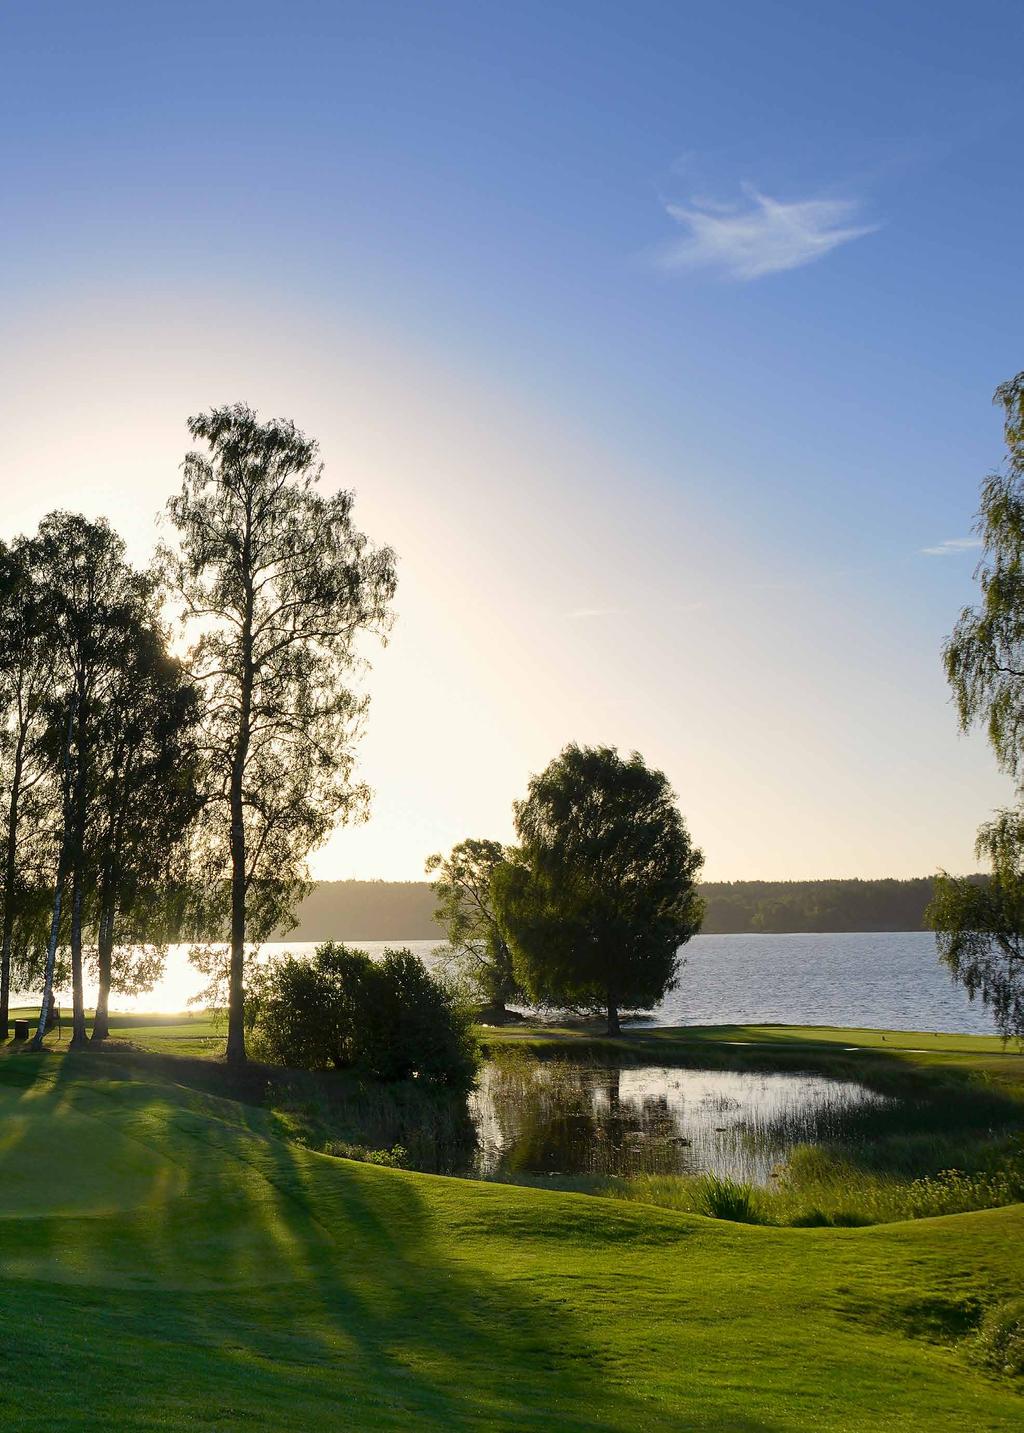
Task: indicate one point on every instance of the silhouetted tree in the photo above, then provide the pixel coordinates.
(465, 909)
(146, 800)
(26, 679)
(602, 890)
(277, 586)
(93, 599)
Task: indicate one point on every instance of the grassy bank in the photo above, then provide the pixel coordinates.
(181, 1263)
(952, 1141)
(950, 1138)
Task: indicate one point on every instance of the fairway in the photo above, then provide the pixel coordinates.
(169, 1262)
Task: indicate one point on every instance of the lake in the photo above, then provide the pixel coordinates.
(891, 980)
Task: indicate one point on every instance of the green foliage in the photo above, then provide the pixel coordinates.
(602, 889)
(390, 1018)
(464, 886)
(720, 1198)
(412, 1024)
(980, 929)
(999, 1341)
(308, 1012)
(981, 933)
(984, 656)
(397, 1157)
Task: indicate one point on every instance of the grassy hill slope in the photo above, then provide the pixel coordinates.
(168, 1261)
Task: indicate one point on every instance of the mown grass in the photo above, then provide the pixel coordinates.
(169, 1260)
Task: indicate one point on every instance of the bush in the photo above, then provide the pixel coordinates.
(999, 1342)
(412, 1024)
(397, 1157)
(307, 1013)
(724, 1199)
(390, 1018)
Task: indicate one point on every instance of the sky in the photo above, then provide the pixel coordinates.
(657, 339)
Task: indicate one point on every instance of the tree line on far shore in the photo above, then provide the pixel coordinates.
(404, 910)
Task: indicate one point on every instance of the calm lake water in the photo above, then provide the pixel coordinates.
(892, 980)
(555, 1117)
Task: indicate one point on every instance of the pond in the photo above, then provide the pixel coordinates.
(559, 1118)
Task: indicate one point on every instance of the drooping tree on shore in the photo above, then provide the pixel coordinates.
(277, 587)
(602, 889)
(980, 928)
(464, 886)
(980, 931)
(984, 656)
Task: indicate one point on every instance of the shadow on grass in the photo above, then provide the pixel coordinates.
(288, 1289)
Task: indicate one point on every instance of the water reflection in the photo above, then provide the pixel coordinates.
(556, 1117)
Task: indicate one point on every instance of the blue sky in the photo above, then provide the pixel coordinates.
(659, 339)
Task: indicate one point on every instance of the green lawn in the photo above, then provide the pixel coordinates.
(169, 1262)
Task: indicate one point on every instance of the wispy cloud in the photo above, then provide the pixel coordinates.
(760, 236)
(584, 614)
(952, 546)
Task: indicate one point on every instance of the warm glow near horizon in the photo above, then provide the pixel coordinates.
(552, 588)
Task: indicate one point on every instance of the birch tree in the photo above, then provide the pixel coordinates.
(26, 678)
(93, 598)
(146, 800)
(277, 587)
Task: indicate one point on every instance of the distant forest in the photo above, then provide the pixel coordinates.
(404, 910)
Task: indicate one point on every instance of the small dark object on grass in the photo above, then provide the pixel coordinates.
(21, 1029)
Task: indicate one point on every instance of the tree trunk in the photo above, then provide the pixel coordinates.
(104, 961)
(236, 971)
(613, 1015)
(78, 1035)
(58, 895)
(51, 947)
(10, 867)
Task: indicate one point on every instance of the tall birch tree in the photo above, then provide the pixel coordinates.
(94, 598)
(277, 587)
(26, 679)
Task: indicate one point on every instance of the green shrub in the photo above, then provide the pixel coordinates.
(413, 1025)
(389, 1019)
(999, 1342)
(395, 1158)
(308, 1012)
(720, 1198)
